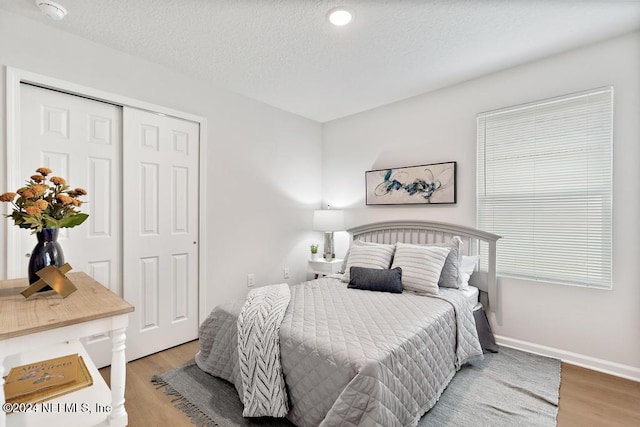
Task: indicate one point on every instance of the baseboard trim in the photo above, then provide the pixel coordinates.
(600, 365)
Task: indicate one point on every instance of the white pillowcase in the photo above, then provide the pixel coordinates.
(468, 265)
(343, 268)
(371, 255)
(421, 266)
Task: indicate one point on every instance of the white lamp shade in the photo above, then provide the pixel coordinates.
(328, 220)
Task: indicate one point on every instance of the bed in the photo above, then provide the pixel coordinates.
(332, 352)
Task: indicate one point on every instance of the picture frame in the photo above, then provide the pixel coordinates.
(429, 184)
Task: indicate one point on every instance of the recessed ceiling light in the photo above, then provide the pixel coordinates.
(340, 16)
(52, 9)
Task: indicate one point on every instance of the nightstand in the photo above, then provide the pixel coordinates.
(322, 268)
(48, 326)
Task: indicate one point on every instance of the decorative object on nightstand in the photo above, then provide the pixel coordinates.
(46, 252)
(314, 252)
(46, 379)
(322, 268)
(44, 205)
(328, 221)
(55, 278)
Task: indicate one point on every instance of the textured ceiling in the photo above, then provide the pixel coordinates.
(286, 54)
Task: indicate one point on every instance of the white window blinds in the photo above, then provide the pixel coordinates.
(545, 183)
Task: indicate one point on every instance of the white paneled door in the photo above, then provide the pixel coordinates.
(160, 171)
(80, 140)
(141, 173)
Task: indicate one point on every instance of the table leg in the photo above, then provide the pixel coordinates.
(3, 415)
(118, 414)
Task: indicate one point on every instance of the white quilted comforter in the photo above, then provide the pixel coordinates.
(352, 357)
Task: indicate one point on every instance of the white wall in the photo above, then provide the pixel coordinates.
(591, 327)
(263, 166)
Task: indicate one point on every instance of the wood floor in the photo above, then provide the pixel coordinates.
(587, 398)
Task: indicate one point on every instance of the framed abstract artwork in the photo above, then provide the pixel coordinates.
(424, 184)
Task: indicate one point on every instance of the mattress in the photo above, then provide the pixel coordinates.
(353, 357)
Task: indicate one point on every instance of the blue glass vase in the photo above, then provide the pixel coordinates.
(46, 252)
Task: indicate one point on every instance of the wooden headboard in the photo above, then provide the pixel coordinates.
(419, 232)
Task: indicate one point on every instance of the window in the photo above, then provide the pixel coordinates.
(545, 185)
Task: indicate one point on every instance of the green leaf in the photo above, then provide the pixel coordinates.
(51, 222)
(73, 220)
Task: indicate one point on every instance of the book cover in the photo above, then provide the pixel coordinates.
(83, 379)
(41, 375)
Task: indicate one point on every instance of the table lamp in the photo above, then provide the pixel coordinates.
(328, 221)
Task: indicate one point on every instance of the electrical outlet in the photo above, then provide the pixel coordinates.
(286, 272)
(251, 280)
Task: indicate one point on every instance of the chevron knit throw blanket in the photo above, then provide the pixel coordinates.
(259, 322)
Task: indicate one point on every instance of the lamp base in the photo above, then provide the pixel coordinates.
(329, 255)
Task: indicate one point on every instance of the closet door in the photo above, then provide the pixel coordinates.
(160, 225)
(79, 139)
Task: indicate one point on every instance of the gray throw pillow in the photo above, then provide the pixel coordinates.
(373, 279)
(451, 277)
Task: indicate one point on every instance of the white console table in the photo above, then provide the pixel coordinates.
(46, 326)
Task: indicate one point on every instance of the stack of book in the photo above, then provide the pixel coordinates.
(47, 379)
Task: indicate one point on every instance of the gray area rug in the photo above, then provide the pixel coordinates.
(509, 388)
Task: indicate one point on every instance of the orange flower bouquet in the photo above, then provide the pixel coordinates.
(45, 202)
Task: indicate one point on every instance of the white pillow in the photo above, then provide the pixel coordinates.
(371, 255)
(343, 268)
(468, 265)
(421, 266)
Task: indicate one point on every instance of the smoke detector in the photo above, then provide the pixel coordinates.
(52, 9)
